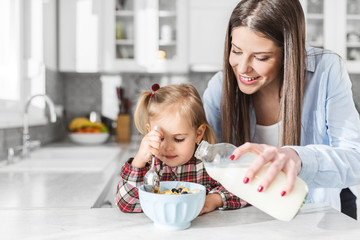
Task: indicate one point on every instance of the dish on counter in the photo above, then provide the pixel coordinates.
(83, 131)
(174, 211)
(89, 138)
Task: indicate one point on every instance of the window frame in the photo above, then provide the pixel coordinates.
(12, 111)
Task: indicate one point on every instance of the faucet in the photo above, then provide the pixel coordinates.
(26, 136)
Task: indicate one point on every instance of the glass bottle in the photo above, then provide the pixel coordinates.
(230, 174)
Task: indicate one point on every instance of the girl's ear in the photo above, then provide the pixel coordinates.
(148, 127)
(200, 132)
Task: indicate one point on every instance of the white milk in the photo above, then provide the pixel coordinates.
(270, 200)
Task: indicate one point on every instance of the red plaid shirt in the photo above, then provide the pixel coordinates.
(127, 195)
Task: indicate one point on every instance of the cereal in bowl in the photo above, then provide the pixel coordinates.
(176, 191)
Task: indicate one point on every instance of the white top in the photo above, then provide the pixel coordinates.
(270, 135)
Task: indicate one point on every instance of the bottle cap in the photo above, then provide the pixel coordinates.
(201, 150)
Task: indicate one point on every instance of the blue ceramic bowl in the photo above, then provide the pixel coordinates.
(174, 212)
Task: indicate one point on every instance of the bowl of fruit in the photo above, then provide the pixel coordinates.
(85, 132)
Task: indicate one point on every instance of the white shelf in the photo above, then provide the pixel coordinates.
(167, 43)
(353, 17)
(125, 13)
(353, 67)
(204, 68)
(164, 13)
(353, 44)
(124, 42)
(315, 16)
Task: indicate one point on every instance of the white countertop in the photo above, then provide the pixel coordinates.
(313, 222)
(60, 175)
(40, 200)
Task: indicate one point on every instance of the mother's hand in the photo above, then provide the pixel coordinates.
(282, 159)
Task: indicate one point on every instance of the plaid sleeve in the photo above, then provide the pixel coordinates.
(230, 201)
(127, 195)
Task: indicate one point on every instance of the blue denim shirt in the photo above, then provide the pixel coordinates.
(330, 134)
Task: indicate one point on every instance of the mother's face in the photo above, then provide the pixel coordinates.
(255, 60)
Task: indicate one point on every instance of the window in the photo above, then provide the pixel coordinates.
(22, 70)
(10, 53)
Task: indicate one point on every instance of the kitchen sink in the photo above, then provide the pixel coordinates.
(66, 159)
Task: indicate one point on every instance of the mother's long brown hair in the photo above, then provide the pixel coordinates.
(283, 22)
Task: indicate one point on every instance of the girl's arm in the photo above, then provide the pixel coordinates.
(229, 200)
(216, 192)
(127, 193)
(133, 172)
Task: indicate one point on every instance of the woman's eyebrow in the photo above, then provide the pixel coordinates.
(235, 45)
(263, 52)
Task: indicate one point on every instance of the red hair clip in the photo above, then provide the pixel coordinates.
(154, 88)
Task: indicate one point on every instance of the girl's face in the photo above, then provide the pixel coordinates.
(256, 61)
(179, 137)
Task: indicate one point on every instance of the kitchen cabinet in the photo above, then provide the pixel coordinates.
(207, 29)
(49, 40)
(80, 31)
(330, 24)
(335, 25)
(145, 36)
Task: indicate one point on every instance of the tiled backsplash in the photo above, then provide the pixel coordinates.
(83, 91)
(80, 93)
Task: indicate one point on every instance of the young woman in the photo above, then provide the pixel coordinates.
(290, 103)
(178, 112)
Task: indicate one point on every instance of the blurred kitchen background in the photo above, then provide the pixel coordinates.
(80, 52)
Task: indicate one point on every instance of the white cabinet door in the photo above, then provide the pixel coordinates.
(50, 41)
(352, 35)
(335, 25)
(119, 36)
(323, 22)
(80, 35)
(207, 29)
(145, 36)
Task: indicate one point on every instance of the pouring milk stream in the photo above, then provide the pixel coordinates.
(230, 174)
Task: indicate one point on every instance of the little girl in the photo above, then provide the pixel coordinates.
(178, 113)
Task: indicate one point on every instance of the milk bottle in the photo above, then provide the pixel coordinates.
(230, 174)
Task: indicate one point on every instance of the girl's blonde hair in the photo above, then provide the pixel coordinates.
(185, 97)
